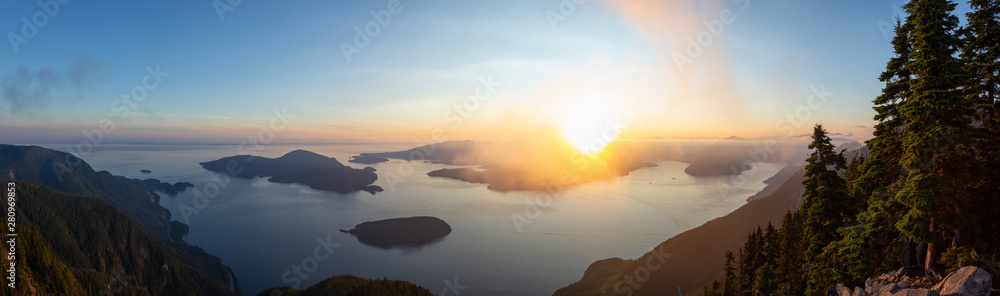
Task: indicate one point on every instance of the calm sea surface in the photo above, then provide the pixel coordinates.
(262, 229)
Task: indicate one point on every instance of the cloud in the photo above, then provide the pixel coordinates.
(26, 89)
(687, 37)
(84, 71)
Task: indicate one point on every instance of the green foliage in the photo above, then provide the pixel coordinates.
(936, 143)
(981, 53)
(920, 182)
(827, 205)
(83, 246)
(729, 284)
(955, 258)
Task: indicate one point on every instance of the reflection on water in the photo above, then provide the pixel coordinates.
(269, 233)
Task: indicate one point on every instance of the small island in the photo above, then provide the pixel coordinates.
(145, 171)
(367, 159)
(300, 167)
(463, 174)
(155, 185)
(401, 232)
(717, 165)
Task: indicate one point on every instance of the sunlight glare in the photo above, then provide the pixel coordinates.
(589, 126)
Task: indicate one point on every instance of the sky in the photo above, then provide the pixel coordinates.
(176, 72)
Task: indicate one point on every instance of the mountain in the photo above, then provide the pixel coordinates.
(68, 174)
(77, 245)
(691, 259)
(349, 285)
(299, 166)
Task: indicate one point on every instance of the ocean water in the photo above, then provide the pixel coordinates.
(515, 243)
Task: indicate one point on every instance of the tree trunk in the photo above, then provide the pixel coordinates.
(932, 257)
(921, 254)
(909, 253)
(932, 251)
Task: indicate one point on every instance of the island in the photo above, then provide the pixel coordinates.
(463, 174)
(155, 185)
(722, 164)
(367, 159)
(145, 171)
(401, 232)
(300, 167)
(340, 179)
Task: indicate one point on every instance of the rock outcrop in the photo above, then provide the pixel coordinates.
(967, 281)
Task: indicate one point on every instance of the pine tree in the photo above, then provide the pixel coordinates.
(936, 144)
(827, 206)
(763, 283)
(747, 266)
(790, 259)
(729, 284)
(826, 203)
(981, 55)
(882, 168)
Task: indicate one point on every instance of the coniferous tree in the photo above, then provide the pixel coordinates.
(882, 168)
(827, 207)
(981, 55)
(763, 283)
(790, 259)
(730, 282)
(826, 203)
(936, 144)
(747, 267)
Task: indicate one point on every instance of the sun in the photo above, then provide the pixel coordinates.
(589, 126)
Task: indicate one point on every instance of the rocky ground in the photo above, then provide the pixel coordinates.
(967, 281)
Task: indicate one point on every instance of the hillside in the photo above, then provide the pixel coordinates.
(76, 245)
(68, 174)
(692, 258)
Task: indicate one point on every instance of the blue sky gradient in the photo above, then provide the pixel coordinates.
(227, 75)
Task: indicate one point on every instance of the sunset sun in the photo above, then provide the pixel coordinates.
(590, 126)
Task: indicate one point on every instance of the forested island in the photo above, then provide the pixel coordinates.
(401, 232)
(301, 167)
